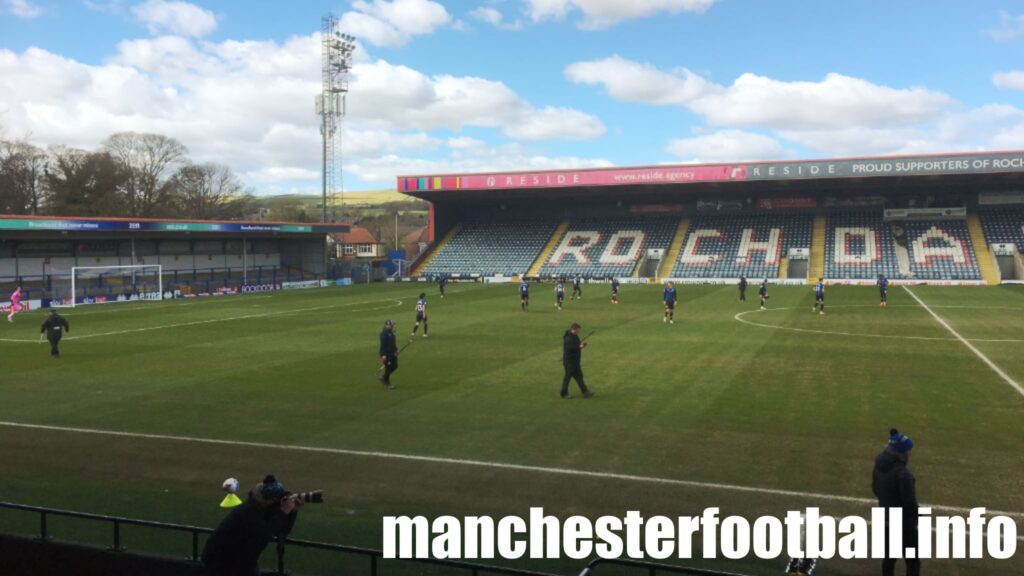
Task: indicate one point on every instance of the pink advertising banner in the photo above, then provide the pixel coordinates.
(566, 178)
(605, 177)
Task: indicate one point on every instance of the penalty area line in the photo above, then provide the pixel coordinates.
(1006, 378)
(485, 464)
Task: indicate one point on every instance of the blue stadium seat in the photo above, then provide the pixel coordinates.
(726, 246)
(941, 250)
(607, 247)
(489, 248)
(868, 247)
(1004, 225)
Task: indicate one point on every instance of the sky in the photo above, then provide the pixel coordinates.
(498, 85)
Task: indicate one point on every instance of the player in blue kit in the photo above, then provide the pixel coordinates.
(615, 290)
(559, 294)
(762, 291)
(883, 291)
(670, 303)
(524, 296)
(577, 290)
(819, 297)
(442, 283)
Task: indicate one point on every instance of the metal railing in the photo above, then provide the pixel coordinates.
(374, 557)
(652, 568)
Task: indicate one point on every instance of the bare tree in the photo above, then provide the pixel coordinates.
(21, 174)
(151, 161)
(208, 191)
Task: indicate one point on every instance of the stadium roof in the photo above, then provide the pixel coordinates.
(438, 187)
(145, 225)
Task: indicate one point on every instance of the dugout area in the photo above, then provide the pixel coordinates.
(195, 257)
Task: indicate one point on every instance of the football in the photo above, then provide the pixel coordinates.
(230, 485)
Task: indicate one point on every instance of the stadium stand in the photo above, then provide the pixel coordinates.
(726, 246)
(491, 248)
(1004, 225)
(939, 250)
(607, 247)
(859, 245)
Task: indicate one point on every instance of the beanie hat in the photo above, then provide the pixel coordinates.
(268, 491)
(900, 442)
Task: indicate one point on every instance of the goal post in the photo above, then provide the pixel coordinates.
(105, 284)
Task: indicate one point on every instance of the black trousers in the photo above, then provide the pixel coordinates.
(743, 294)
(573, 371)
(909, 541)
(390, 365)
(54, 343)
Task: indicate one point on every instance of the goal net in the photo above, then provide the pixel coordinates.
(104, 284)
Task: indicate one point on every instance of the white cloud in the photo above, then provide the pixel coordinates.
(249, 104)
(454, 102)
(495, 18)
(22, 8)
(726, 146)
(630, 81)
(838, 115)
(1013, 80)
(372, 143)
(467, 155)
(281, 174)
(834, 102)
(551, 123)
(384, 23)
(179, 18)
(1010, 27)
(599, 14)
(989, 127)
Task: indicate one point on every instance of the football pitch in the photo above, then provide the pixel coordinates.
(153, 405)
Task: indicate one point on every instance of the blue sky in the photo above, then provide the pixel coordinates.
(478, 85)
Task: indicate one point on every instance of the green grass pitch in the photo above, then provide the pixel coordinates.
(777, 400)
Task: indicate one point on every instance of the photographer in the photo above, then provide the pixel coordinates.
(235, 546)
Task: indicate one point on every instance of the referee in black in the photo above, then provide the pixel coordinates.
(388, 353)
(572, 349)
(54, 327)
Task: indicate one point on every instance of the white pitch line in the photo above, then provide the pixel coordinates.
(228, 319)
(179, 302)
(485, 464)
(1013, 383)
(739, 317)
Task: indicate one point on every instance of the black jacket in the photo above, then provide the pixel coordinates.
(571, 349)
(388, 347)
(894, 486)
(55, 326)
(235, 546)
